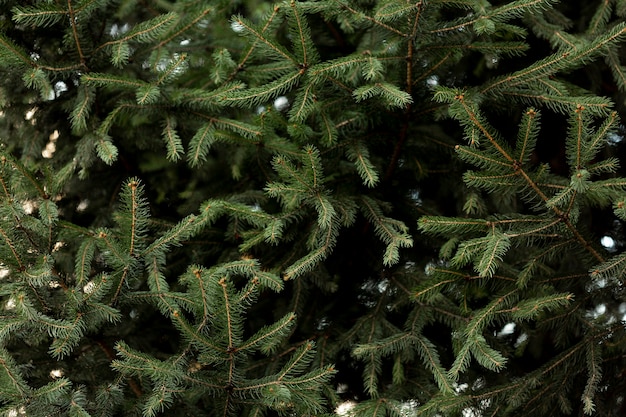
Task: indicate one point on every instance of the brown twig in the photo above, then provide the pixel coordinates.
(111, 356)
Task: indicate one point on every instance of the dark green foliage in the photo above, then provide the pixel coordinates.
(245, 208)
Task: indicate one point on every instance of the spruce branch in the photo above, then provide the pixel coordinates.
(339, 68)
(172, 140)
(259, 95)
(430, 358)
(609, 268)
(73, 24)
(175, 68)
(429, 291)
(184, 26)
(532, 307)
(10, 243)
(505, 12)
(324, 243)
(594, 357)
(497, 245)
(43, 15)
(617, 69)
(559, 62)
(202, 100)
(25, 173)
(303, 45)
(330, 133)
(486, 356)
(148, 30)
(200, 144)
(50, 394)
(105, 149)
(80, 113)
(392, 11)
(268, 337)
(147, 94)
(17, 386)
(360, 15)
(12, 54)
(392, 95)
(597, 105)
(108, 80)
(447, 225)
(391, 232)
(467, 112)
(490, 182)
(197, 279)
(258, 35)
(251, 48)
(303, 104)
(358, 153)
(600, 19)
(527, 136)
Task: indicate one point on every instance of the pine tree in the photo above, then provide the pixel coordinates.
(245, 208)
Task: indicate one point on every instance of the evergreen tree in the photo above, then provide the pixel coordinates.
(245, 208)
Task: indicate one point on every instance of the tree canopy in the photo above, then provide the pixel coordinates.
(254, 208)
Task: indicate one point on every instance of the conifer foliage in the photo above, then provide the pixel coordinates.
(248, 208)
